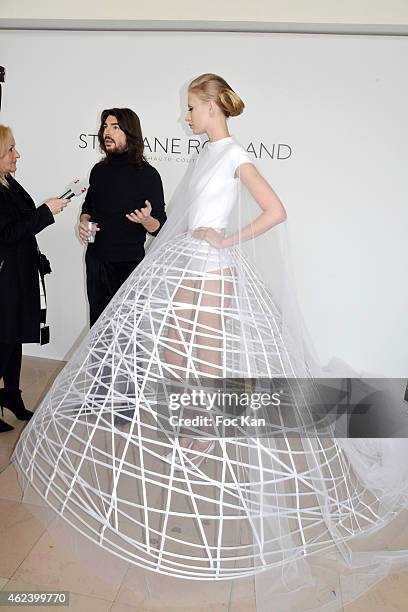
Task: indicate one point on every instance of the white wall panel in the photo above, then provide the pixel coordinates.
(338, 102)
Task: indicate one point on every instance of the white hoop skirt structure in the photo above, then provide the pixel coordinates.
(98, 453)
(254, 503)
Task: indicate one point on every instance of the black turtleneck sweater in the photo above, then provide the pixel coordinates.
(116, 188)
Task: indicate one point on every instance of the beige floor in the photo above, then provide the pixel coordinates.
(31, 560)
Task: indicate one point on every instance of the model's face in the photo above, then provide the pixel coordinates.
(113, 137)
(8, 162)
(198, 115)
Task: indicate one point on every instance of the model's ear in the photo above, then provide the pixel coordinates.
(211, 106)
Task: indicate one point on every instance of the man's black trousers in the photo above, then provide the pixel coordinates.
(103, 279)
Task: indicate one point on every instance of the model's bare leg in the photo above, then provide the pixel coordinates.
(199, 328)
(179, 330)
(214, 298)
(179, 335)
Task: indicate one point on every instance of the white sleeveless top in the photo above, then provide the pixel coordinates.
(215, 184)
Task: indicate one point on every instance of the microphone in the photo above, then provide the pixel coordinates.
(75, 188)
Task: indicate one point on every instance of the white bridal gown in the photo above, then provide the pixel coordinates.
(288, 508)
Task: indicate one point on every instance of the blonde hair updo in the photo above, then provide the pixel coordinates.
(5, 133)
(210, 86)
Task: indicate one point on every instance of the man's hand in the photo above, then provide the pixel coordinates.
(83, 228)
(141, 216)
(144, 217)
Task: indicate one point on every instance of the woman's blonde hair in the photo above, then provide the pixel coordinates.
(210, 86)
(5, 133)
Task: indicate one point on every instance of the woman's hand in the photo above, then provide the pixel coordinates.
(57, 205)
(210, 235)
(141, 216)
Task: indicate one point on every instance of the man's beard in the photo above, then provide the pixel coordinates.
(116, 150)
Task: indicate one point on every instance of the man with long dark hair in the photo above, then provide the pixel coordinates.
(125, 198)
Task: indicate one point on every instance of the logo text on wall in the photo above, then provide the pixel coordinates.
(184, 150)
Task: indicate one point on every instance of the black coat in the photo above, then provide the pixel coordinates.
(20, 221)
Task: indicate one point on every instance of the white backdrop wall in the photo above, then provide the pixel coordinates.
(336, 105)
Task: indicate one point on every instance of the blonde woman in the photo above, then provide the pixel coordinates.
(221, 171)
(20, 221)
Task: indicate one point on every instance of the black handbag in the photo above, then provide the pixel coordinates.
(44, 267)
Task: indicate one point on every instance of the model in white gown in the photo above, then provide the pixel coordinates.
(275, 507)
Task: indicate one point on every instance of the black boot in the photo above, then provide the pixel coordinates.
(4, 426)
(14, 402)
